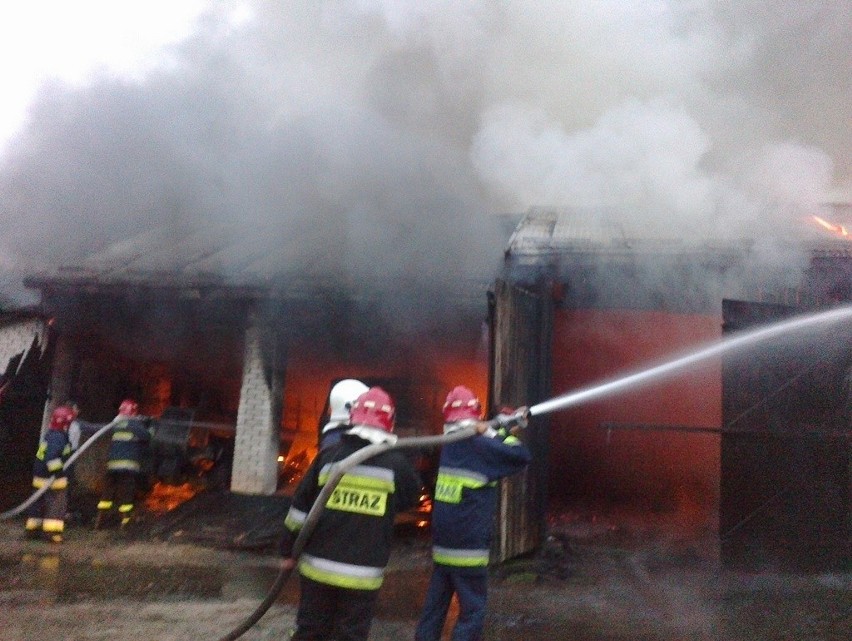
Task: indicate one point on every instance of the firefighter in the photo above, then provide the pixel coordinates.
(127, 449)
(340, 400)
(463, 510)
(342, 567)
(46, 517)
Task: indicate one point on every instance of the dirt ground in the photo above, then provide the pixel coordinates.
(595, 579)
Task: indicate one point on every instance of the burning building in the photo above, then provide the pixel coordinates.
(585, 301)
(248, 361)
(237, 369)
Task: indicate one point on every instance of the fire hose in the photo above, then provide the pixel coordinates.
(44, 488)
(740, 341)
(518, 419)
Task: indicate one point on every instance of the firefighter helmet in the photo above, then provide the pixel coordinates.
(128, 407)
(374, 408)
(340, 400)
(62, 417)
(461, 404)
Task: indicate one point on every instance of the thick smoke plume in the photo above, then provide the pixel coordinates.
(372, 141)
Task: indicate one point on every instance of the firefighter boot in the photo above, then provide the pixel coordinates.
(53, 530)
(32, 529)
(125, 510)
(104, 512)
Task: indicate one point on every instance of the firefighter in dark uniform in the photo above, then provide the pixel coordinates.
(127, 448)
(46, 517)
(342, 567)
(463, 517)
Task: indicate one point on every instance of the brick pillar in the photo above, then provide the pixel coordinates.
(255, 469)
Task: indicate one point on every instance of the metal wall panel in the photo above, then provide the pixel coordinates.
(785, 457)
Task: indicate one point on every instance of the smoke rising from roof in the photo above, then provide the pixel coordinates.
(372, 140)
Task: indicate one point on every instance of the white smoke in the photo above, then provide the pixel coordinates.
(638, 154)
(370, 139)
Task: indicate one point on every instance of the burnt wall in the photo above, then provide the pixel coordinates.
(157, 347)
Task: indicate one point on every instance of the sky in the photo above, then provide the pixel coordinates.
(49, 40)
(379, 139)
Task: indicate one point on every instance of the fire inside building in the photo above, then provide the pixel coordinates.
(236, 373)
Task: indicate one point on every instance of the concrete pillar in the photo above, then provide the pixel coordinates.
(255, 469)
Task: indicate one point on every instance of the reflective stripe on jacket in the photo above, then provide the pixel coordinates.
(127, 446)
(350, 545)
(341, 575)
(466, 497)
(53, 450)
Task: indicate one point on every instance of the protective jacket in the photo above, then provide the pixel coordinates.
(350, 546)
(128, 445)
(53, 450)
(466, 497)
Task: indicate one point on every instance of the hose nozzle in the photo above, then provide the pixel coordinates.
(519, 419)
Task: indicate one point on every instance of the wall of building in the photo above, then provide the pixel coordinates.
(786, 457)
(647, 467)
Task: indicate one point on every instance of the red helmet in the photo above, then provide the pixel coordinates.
(373, 408)
(62, 417)
(461, 404)
(128, 407)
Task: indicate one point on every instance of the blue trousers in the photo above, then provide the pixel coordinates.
(471, 589)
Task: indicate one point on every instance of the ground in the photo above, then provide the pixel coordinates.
(595, 579)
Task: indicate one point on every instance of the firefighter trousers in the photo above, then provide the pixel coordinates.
(47, 514)
(327, 612)
(471, 589)
(119, 497)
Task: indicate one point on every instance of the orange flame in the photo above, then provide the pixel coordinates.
(163, 497)
(840, 230)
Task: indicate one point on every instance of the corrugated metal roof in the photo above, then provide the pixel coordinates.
(545, 231)
(171, 256)
(224, 256)
(163, 252)
(548, 230)
(222, 260)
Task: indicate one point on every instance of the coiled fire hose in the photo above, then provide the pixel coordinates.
(44, 488)
(519, 419)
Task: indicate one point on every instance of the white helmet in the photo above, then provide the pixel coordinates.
(340, 399)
